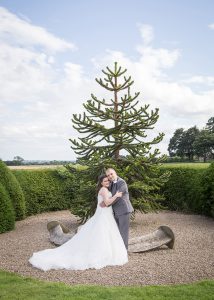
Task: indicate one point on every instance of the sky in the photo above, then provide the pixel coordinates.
(51, 52)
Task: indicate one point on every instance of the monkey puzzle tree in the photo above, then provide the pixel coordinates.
(111, 126)
(120, 124)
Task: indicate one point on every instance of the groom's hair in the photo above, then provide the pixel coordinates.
(110, 169)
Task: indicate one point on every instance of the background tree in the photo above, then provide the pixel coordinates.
(18, 160)
(210, 125)
(174, 147)
(204, 144)
(181, 144)
(187, 142)
(193, 142)
(108, 127)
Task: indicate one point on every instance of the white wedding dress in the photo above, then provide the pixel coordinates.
(97, 244)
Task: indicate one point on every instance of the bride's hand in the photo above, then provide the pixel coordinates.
(118, 194)
(102, 204)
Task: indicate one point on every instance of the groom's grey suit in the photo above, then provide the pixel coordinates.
(122, 208)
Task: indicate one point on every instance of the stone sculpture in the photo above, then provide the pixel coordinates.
(163, 235)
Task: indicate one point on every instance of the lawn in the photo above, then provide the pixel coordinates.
(15, 287)
(186, 165)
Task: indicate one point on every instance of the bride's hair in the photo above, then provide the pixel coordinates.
(99, 183)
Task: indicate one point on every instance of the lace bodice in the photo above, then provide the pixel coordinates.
(100, 197)
(103, 210)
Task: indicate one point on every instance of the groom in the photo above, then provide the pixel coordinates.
(122, 207)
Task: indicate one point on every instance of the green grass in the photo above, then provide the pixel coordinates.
(15, 287)
(186, 165)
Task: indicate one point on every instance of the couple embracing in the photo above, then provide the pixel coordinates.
(103, 239)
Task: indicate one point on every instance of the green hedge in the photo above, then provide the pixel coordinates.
(7, 214)
(208, 191)
(190, 190)
(45, 190)
(11, 185)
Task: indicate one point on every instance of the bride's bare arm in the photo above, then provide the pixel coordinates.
(106, 199)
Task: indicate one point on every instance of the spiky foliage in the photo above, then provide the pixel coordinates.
(106, 128)
(114, 125)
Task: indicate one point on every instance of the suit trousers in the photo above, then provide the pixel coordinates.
(123, 225)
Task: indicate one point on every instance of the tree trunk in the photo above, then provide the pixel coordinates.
(117, 153)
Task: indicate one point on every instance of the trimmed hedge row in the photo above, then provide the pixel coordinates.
(45, 190)
(12, 187)
(190, 190)
(208, 191)
(7, 214)
(183, 190)
(36, 191)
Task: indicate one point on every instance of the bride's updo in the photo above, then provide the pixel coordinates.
(100, 180)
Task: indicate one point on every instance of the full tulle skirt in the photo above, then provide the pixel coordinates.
(96, 245)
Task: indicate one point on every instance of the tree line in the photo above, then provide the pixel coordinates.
(193, 143)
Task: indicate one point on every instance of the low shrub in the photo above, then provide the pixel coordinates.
(14, 190)
(7, 214)
(208, 191)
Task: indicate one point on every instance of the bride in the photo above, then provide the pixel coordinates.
(97, 244)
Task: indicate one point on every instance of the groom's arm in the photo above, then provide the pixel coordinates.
(121, 187)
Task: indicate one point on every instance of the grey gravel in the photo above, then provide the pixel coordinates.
(191, 260)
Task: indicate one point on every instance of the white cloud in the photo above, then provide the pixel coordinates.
(38, 96)
(146, 32)
(35, 96)
(206, 80)
(180, 105)
(15, 30)
(211, 26)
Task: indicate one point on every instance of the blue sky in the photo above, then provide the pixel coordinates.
(52, 51)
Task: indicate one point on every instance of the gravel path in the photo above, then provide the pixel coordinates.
(192, 259)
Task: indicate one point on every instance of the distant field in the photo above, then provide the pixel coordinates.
(32, 167)
(166, 165)
(186, 165)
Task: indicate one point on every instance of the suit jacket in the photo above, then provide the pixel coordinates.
(121, 206)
